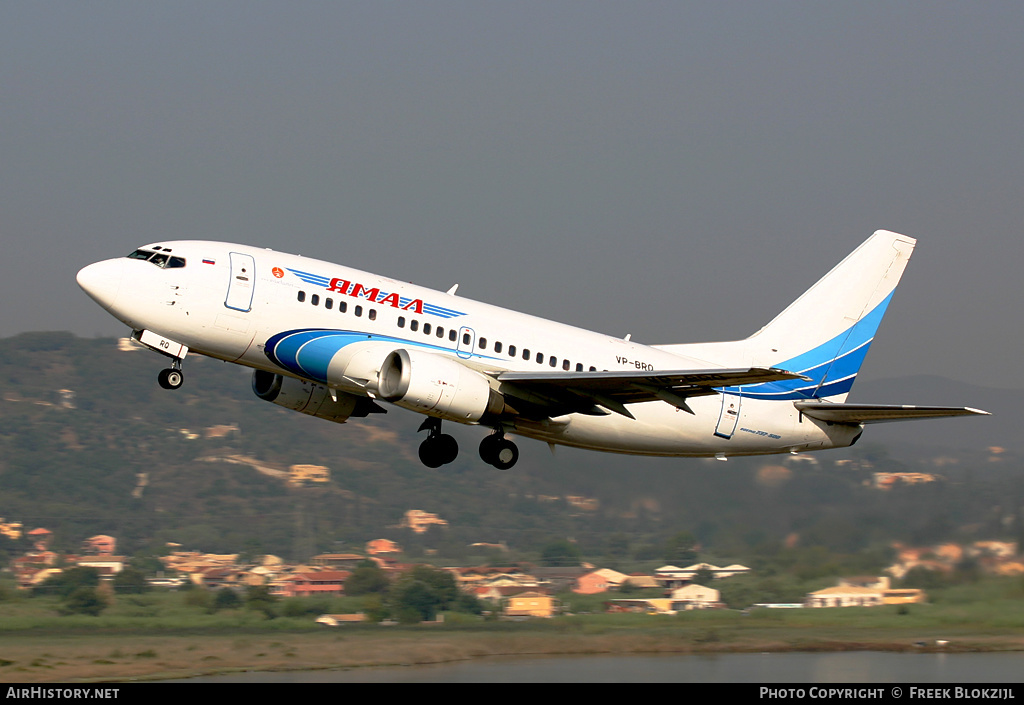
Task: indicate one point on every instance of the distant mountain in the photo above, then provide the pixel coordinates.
(90, 444)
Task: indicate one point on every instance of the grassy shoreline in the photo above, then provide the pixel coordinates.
(163, 635)
(115, 655)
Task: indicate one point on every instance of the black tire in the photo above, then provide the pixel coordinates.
(438, 450)
(489, 448)
(171, 378)
(448, 448)
(506, 454)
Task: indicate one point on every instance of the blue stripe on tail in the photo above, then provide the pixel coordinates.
(831, 367)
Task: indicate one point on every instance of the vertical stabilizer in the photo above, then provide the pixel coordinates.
(825, 334)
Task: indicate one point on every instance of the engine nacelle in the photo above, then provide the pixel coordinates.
(310, 398)
(438, 386)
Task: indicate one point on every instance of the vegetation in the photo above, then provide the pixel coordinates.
(113, 453)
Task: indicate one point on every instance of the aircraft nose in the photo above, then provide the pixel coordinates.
(101, 281)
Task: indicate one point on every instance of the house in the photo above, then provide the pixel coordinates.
(101, 545)
(905, 596)
(558, 579)
(598, 581)
(659, 605)
(419, 521)
(670, 576)
(299, 475)
(531, 604)
(695, 597)
(378, 546)
(882, 582)
(338, 561)
(639, 580)
(845, 596)
(10, 529)
(335, 620)
(306, 584)
(106, 565)
(40, 538)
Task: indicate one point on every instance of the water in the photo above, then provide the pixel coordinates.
(841, 667)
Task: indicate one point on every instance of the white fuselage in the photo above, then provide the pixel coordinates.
(228, 301)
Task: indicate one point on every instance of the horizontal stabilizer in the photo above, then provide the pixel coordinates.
(879, 413)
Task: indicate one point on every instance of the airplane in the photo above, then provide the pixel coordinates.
(337, 343)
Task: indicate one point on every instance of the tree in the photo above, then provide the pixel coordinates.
(365, 579)
(560, 553)
(130, 581)
(68, 581)
(84, 600)
(703, 576)
(226, 599)
(681, 549)
(259, 598)
(423, 592)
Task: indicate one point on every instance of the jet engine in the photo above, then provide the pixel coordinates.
(310, 398)
(438, 386)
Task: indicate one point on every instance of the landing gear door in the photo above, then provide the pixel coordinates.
(243, 279)
(729, 417)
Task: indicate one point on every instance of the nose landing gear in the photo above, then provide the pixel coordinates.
(173, 377)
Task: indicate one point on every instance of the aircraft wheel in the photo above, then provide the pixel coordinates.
(489, 448)
(506, 454)
(438, 450)
(171, 378)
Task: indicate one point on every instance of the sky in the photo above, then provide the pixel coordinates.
(676, 171)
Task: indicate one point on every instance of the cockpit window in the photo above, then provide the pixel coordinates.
(160, 259)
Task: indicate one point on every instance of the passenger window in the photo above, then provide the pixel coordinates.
(579, 366)
(359, 310)
(565, 365)
(315, 299)
(373, 314)
(483, 343)
(453, 335)
(328, 303)
(497, 346)
(426, 329)
(466, 339)
(414, 324)
(511, 350)
(553, 361)
(540, 358)
(440, 332)
(302, 296)
(342, 307)
(526, 353)
(593, 369)
(401, 321)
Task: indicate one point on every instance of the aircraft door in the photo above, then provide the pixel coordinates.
(729, 417)
(467, 339)
(243, 279)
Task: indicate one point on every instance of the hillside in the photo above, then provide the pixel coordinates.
(114, 453)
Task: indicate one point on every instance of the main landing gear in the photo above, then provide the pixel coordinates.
(499, 451)
(173, 377)
(440, 449)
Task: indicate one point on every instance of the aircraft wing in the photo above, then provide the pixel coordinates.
(879, 413)
(611, 391)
